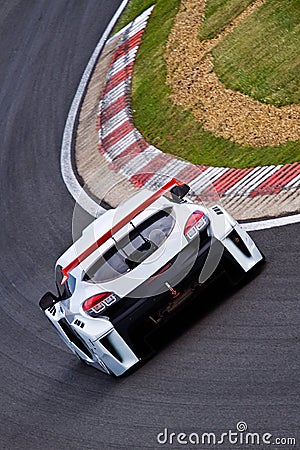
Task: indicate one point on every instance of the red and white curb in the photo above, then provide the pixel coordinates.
(144, 151)
(146, 166)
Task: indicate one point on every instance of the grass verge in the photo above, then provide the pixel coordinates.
(169, 127)
(218, 14)
(261, 57)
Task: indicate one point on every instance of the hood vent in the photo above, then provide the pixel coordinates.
(217, 210)
(79, 323)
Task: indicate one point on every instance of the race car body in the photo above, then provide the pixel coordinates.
(136, 266)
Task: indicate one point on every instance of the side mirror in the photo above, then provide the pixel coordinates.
(48, 300)
(179, 191)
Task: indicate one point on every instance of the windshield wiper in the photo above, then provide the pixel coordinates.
(147, 241)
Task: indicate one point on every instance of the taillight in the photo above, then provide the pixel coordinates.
(95, 302)
(196, 222)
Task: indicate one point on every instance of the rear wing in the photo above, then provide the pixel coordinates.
(86, 253)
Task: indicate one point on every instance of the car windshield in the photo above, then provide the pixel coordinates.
(129, 252)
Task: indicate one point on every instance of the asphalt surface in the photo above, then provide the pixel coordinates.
(237, 360)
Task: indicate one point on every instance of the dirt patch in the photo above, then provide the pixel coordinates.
(195, 86)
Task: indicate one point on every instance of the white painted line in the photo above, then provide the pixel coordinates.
(70, 180)
(115, 36)
(213, 178)
(113, 95)
(207, 178)
(203, 177)
(139, 162)
(173, 167)
(122, 62)
(235, 188)
(218, 174)
(294, 182)
(138, 26)
(145, 13)
(260, 178)
(271, 223)
(170, 169)
(141, 20)
(109, 122)
(121, 145)
(111, 125)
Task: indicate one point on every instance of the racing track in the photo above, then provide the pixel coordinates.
(237, 361)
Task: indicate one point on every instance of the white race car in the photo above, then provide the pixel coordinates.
(136, 266)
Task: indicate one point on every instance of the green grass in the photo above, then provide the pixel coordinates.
(169, 127)
(218, 14)
(261, 57)
(132, 10)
